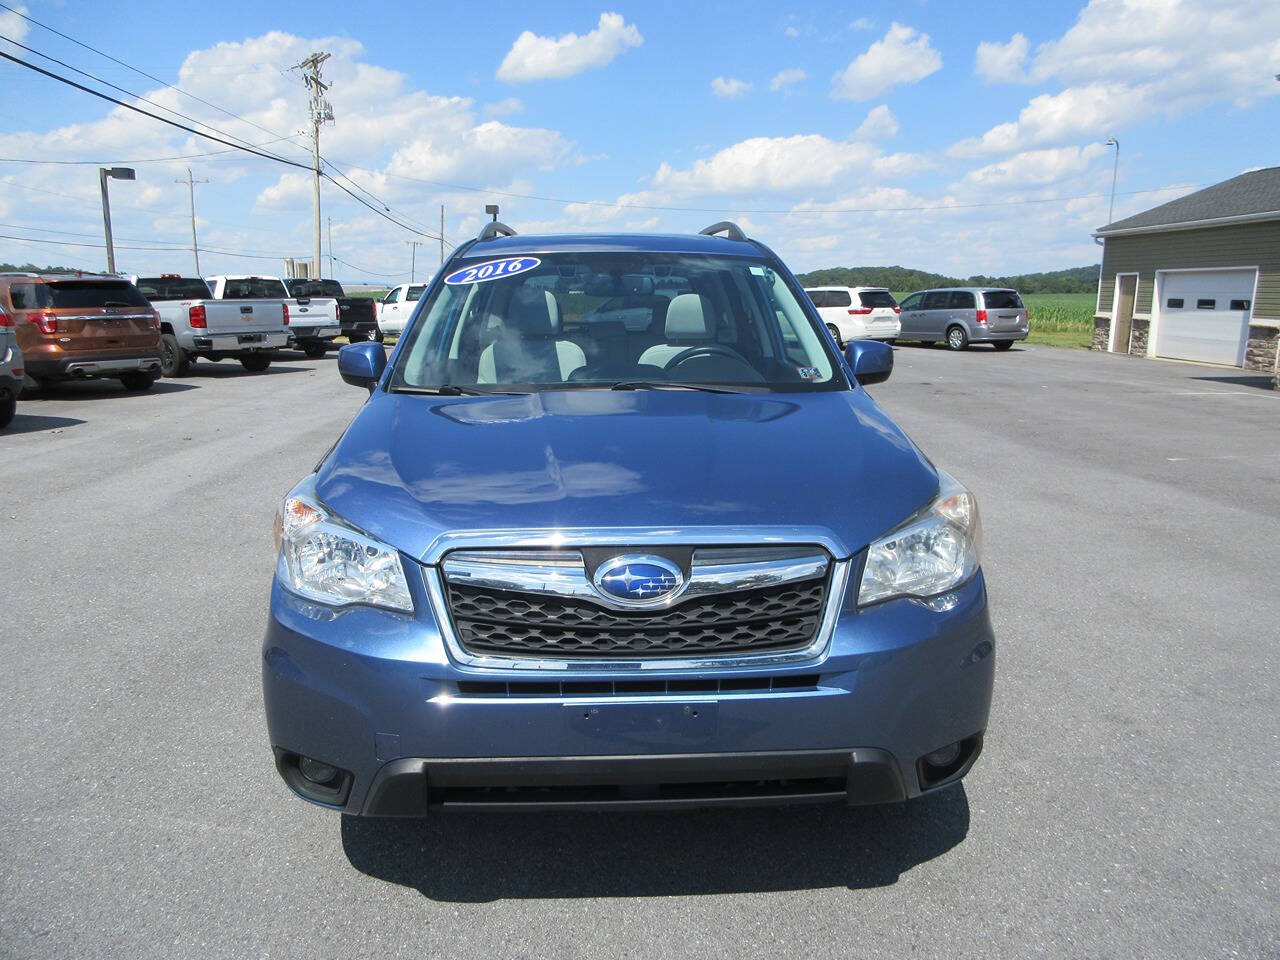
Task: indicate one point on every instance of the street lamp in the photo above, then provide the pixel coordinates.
(115, 173)
(1115, 169)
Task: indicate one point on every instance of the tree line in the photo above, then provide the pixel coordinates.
(1074, 280)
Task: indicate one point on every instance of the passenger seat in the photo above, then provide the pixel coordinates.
(528, 349)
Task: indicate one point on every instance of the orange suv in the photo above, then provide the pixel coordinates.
(83, 326)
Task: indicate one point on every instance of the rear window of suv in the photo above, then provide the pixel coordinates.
(830, 298)
(76, 295)
(157, 289)
(1002, 300)
(877, 298)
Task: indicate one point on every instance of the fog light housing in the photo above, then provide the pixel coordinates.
(949, 763)
(939, 758)
(316, 771)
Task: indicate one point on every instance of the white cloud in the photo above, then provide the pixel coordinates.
(786, 79)
(791, 32)
(1128, 61)
(1036, 167)
(504, 108)
(728, 88)
(12, 25)
(902, 56)
(880, 124)
(533, 57)
(997, 62)
(862, 23)
(770, 164)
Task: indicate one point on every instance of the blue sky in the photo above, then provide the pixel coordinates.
(841, 134)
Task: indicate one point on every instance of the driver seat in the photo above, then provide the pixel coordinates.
(688, 325)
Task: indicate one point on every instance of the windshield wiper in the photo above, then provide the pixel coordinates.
(669, 385)
(452, 390)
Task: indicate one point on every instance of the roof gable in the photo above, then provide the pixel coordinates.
(1247, 196)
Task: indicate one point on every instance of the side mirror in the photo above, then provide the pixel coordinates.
(870, 360)
(362, 364)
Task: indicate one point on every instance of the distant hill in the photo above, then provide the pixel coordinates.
(1075, 280)
(32, 268)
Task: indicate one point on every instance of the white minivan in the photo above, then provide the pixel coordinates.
(395, 309)
(857, 313)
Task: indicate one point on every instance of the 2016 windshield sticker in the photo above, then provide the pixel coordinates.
(809, 373)
(493, 270)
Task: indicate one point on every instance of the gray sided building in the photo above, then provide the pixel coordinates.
(1197, 278)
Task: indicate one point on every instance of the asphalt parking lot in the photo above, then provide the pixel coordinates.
(1126, 804)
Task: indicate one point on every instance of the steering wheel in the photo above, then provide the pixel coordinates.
(704, 350)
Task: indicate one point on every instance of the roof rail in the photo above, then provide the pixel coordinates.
(494, 229)
(730, 229)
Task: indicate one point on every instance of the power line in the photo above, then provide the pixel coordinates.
(102, 246)
(140, 72)
(372, 273)
(114, 163)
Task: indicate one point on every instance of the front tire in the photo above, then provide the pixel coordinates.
(8, 407)
(957, 339)
(138, 382)
(254, 363)
(1003, 344)
(835, 335)
(174, 361)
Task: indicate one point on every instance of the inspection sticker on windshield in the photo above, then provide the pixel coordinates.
(493, 270)
(809, 373)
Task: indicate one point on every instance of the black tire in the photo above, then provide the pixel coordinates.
(8, 407)
(315, 349)
(835, 335)
(255, 363)
(1003, 344)
(135, 381)
(957, 339)
(174, 361)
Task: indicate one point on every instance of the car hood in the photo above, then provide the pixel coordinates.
(413, 469)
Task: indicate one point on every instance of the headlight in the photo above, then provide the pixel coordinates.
(325, 559)
(934, 551)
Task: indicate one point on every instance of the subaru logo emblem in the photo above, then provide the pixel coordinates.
(638, 580)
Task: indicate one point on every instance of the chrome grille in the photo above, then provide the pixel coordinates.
(542, 606)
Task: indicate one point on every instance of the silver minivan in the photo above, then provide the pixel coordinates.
(964, 315)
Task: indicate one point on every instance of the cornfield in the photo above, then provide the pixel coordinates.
(1060, 312)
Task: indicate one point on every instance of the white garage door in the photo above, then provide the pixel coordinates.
(1204, 315)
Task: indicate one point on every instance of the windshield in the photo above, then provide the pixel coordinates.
(626, 320)
(76, 295)
(158, 289)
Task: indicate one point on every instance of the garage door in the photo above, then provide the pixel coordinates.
(1204, 315)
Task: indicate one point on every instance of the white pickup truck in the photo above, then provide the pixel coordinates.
(313, 321)
(194, 324)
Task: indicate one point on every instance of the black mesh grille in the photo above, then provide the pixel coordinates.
(507, 623)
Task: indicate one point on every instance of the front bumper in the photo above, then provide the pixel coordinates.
(378, 696)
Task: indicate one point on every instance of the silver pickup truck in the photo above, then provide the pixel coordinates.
(313, 321)
(195, 324)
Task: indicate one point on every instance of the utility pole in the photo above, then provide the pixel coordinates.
(442, 234)
(321, 112)
(413, 259)
(331, 247)
(191, 186)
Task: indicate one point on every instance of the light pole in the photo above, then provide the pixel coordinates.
(1115, 169)
(115, 173)
(413, 259)
(191, 186)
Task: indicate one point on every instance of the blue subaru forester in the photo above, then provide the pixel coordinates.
(619, 527)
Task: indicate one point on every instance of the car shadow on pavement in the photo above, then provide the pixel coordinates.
(1260, 382)
(98, 390)
(475, 857)
(26, 423)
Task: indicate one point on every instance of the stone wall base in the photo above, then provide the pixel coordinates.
(1101, 333)
(1138, 338)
